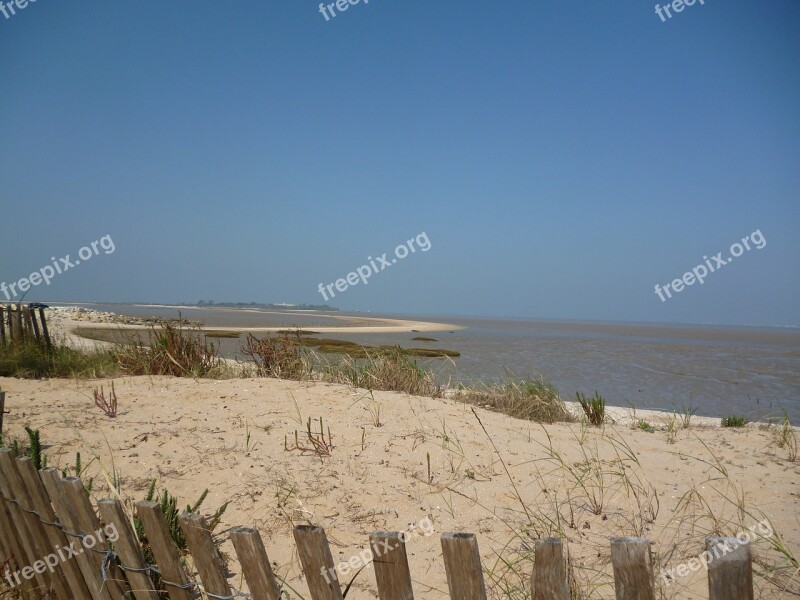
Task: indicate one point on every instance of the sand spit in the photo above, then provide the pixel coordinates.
(66, 319)
(228, 436)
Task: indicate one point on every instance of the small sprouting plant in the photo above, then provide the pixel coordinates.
(34, 449)
(430, 474)
(687, 414)
(672, 429)
(315, 442)
(734, 421)
(169, 506)
(374, 409)
(595, 408)
(645, 426)
(787, 438)
(248, 434)
(78, 470)
(108, 406)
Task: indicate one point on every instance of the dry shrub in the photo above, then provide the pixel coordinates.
(387, 370)
(172, 350)
(530, 399)
(282, 356)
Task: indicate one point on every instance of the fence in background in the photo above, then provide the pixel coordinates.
(40, 513)
(20, 324)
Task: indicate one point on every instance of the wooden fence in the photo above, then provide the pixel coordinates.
(21, 324)
(41, 514)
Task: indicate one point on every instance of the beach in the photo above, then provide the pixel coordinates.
(231, 437)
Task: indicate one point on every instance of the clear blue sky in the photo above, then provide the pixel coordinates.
(562, 157)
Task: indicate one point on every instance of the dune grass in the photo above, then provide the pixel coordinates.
(185, 351)
(356, 350)
(530, 399)
(387, 370)
(32, 361)
(171, 350)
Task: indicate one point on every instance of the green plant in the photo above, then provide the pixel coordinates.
(171, 350)
(389, 370)
(35, 449)
(672, 429)
(687, 414)
(317, 442)
(595, 408)
(169, 506)
(30, 361)
(787, 438)
(31, 449)
(281, 356)
(530, 399)
(109, 407)
(78, 470)
(645, 426)
(374, 409)
(247, 436)
(734, 421)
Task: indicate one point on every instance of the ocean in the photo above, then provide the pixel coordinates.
(720, 371)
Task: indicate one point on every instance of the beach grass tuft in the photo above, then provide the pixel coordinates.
(734, 421)
(171, 350)
(529, 399)
(595, 408)
(31, 361)
(280, 356)
(389, 370)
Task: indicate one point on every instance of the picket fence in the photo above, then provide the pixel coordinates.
(41, 512)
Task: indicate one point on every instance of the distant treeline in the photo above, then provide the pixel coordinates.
(261, 305)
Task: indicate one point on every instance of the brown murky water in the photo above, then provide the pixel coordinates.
(720, 370)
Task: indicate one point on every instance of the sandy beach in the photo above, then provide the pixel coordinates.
(64, 318)
(228, 436)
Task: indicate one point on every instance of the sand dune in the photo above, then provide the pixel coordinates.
(193, 434)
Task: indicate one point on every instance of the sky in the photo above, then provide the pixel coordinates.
(562, 158)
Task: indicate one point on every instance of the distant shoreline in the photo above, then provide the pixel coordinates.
(376, 324)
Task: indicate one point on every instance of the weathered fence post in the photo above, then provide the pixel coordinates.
(32, 313)
(126, 546)
(15, 324)
(45, 331)
(317, 560)
(549, 579)
(390, 561)
(2, 409)
(255, 564)
(89, 525)
(9, 534)
(462, 562)
(28, 322)
(27, 553)
(41, 503)
(169, 563)
(71, 527)
(633, 569)
(730, 569)
(3, 312)
(206, 556)
(40, 544)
